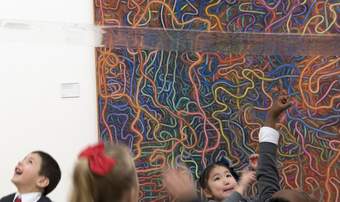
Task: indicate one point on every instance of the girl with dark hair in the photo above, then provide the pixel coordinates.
(219, 181)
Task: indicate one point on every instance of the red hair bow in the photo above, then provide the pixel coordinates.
(99, 162)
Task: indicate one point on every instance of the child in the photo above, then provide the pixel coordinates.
(219, 181)
(35, 177)
(105, 173)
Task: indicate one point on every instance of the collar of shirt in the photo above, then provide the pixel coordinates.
(29, 197)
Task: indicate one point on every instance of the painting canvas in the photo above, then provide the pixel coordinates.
(191, 108)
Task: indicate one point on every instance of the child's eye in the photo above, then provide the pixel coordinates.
(30, 161)
(217, 178)
(228, 175)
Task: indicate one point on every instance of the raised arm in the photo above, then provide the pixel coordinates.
(267, 174)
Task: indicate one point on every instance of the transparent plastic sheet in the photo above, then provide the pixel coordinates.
(233, 43)
(18, 31)
(47, 33)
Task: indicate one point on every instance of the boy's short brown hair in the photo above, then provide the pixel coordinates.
(50, 169)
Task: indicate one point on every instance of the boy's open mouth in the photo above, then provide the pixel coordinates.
(18, 171)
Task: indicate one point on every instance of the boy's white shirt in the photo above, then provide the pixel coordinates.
(29, 197)
(268, 134)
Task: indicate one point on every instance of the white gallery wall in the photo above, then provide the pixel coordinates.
(33, 114)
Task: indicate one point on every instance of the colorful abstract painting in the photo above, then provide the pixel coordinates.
(192, 108)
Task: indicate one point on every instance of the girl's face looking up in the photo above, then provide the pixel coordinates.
(220, 183)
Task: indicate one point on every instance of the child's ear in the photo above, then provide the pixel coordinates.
(207, 193)
(43, 182)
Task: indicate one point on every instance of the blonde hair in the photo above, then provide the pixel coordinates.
(120, 185)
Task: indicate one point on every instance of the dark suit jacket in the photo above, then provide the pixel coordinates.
(10, 198)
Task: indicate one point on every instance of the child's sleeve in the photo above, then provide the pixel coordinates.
(267, 174)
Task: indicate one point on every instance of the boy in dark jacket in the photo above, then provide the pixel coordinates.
(35, 176)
